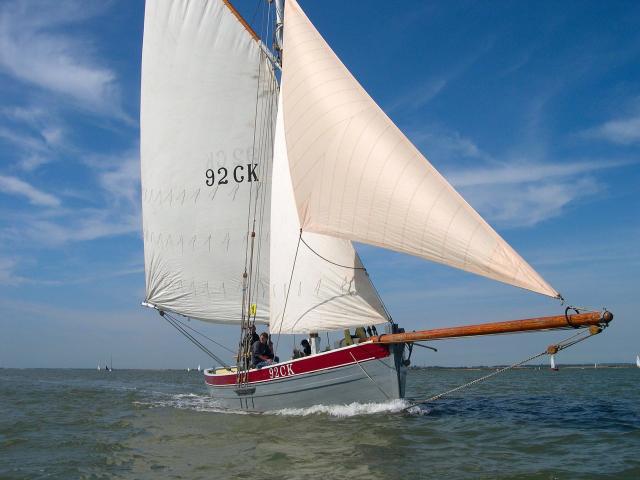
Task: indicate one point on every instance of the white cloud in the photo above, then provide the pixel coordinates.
(33, 49)
(82, 225)
(118, 212)
(38, 136)
(515, 192)
(22, 141)
(427, 90)
(121, 178)
(15, 186)
(419, 96)
(524, 172)
(526, 193)
(446, 146)
(7, 275)
(526, 204)
(623, 131)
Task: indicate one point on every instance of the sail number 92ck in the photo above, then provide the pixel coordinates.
(237, 174)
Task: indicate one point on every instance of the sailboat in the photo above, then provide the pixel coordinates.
(638, 361)
(260, 165)
(552, 363)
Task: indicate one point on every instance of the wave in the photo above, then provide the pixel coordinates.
(206, 403)
(186, 401)
(353, 409)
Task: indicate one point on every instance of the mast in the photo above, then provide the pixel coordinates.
(262, 142)
(279, 30)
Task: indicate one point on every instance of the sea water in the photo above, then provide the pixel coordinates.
(526, 423)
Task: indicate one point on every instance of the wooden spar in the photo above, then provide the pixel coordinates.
(244, 23)
(527, 325)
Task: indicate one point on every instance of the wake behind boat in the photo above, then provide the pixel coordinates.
(260, 165)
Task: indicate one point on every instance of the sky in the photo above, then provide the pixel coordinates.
(531, 110)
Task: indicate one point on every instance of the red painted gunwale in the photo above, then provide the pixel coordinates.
(300, 366)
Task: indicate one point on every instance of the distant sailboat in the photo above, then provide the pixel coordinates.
(638, 361)
(199, 369)
(552, 362)
(98, 367)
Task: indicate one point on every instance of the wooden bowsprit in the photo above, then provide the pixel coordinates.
(578, 320)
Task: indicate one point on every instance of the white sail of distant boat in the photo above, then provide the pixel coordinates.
(98, 367)
(256, 184)
(638, 361)
(199, 368)
(552, 362)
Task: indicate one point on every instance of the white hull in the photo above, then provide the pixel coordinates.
(340, 384)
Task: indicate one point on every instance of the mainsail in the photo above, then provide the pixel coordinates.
(356, 176)
(308, 292)
(205, 168)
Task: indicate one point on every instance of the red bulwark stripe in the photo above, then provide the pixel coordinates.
(322, 361)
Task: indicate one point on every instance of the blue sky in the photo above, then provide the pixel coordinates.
(531, 110)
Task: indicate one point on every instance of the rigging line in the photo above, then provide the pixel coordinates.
(250, 243)
(369, 376)
(259, 198)
(266, 151)
(253, 153)
(173, 320)
(286, 299)
(560, 346)
(265, 175)
(263, 131)
(194, 340)
(203, 335)
(327, 260)
(382, 304)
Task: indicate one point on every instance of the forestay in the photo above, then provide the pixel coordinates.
(356, 176)
(202, 75)
(322, 295)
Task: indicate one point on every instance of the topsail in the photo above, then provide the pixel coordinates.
(356, 176)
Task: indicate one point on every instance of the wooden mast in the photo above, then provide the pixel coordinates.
(579, 320)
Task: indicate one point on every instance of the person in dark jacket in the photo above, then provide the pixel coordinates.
(261, 354)
(306, 347)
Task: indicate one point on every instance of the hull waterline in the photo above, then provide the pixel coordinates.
(363, 373)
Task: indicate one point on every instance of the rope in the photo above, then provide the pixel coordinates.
(375, 290)
(173, 322)
(566, 343)
(329, 261)
(286, 299)
(203, 335)
(369, 376)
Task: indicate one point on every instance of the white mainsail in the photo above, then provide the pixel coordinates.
(356, 176)
(202, 73)
(638, 361)
(552, 362)
(323, 295)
